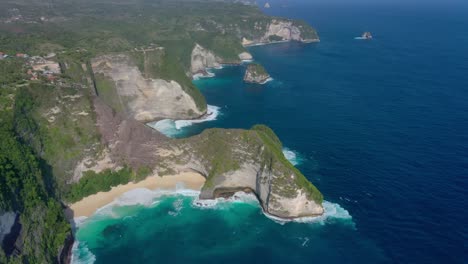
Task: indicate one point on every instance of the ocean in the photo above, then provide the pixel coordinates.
(379, 126)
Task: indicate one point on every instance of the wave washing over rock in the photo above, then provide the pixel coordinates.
(174, 128)
(81, 254)
(293, 156)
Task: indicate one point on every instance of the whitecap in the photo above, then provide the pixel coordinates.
(332, 212)
(293, 156)
(81, 254)
(267, 80)
(173, 128)
(219, 203)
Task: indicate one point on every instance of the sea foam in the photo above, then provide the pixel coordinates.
(332, 212)
(81, 254)
(173, 128)
(293, 156)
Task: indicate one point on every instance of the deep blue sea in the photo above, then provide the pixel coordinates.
(380, 127)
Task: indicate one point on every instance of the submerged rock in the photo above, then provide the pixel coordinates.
(255, 73)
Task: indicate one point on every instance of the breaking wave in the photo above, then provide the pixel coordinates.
(332, 212)
(81, 254)
(174, 128)
(293, 156)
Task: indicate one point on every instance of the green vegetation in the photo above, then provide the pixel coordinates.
(25, 189)
(11, 71)
(92, 182)
(257, 70)
(58, 122)
(216, 149)
(107, 91)
(46, 128)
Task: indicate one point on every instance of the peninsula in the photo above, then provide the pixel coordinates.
(78, 85)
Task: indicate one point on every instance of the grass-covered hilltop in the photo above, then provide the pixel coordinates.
(78, 81)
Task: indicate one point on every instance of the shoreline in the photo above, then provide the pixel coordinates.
(280, 41)
(87, 206)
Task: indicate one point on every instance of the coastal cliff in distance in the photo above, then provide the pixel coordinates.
(281, 30)
(256, 73)
(73, 112)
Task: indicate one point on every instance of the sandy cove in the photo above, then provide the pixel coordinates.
(89, 205)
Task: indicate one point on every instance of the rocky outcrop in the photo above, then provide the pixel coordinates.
(230, 159)
(245, 56)
(121, 84)
(282, 30)
(201, 59)
(245, 160)
(255, 73)
(7, 220)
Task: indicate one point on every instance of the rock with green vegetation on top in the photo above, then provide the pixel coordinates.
(256, 73)
(245, 160)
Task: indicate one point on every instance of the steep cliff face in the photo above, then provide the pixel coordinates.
(245, 160)
(121, 84)
(281, 30)
(255, 73)
(201, 59)
(231, 160)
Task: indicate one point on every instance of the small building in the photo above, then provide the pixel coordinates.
(21, 55)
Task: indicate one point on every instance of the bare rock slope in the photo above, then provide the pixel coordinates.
(122, 85)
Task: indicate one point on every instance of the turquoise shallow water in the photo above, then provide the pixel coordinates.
(378, 126)
(172, 229)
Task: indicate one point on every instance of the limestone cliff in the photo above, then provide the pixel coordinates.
(201, 59)
(278, 30)
(230, 159)
(255, 73)
(122, 85)
(245, 160)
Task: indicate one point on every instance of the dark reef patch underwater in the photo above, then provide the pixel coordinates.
(379, 126)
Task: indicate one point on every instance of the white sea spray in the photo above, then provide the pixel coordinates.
(172, 128)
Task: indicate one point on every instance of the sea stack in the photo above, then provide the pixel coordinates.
(366, 35)
(267, 5)
(255, 73)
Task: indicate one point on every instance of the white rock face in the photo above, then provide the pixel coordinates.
(272, 198)
(245, 56)
(283, 29)
(202, 58)
(7, 220)
(145, 99)
(298, 206)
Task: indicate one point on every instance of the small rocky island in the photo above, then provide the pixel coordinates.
(255, 73)
(366, 35)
